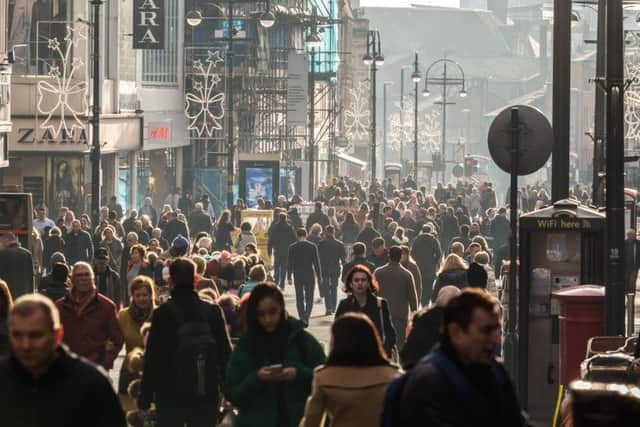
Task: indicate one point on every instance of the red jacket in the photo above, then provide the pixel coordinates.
(87, 334)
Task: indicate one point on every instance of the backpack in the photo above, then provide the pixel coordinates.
(195, 361)
(391, 410)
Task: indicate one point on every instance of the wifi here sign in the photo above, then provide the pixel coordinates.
(148, 24)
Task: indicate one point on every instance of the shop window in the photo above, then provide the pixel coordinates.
(161, 66)
(32, 24)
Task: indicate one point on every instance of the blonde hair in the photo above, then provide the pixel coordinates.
(316, 229)
(452, 262)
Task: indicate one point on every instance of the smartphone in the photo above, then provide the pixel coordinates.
(278, 367)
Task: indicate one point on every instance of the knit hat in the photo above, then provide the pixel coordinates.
(477, 276)
(180, 242)
(57, 257)
(101, 253)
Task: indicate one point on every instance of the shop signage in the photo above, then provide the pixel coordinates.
(567, 224)
(148, 24)
(25, 136)
(297, 89)
(159, 132)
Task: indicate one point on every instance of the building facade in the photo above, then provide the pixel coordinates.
(5, 85)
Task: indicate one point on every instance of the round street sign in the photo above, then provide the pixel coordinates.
(535, 140)
(458, 171)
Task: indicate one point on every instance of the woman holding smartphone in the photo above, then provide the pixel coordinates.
(270, 370)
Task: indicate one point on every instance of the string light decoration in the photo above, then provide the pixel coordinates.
(632, 95)
(428, 128)
(358, 117)
(60, 96)
(204, 104)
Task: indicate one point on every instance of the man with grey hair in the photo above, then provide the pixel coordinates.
(43, 383)
(16, 265)
(427, 325)
(78, 244)
(89, 319)
(200, 221)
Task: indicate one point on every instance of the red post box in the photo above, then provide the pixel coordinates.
(581, 317)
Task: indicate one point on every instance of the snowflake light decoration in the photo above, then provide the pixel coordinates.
(357, 117)
(428, 128)
(204, 105)
(59, 99)
(632, 101)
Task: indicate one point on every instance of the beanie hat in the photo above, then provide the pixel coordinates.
(477, 276)
(180, 242)
(57, 257)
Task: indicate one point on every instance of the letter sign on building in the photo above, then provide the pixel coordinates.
(148, 24)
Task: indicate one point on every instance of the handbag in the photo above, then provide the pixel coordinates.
(393, 355)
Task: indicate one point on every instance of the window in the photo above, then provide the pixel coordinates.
(32, 23)
(161, 66)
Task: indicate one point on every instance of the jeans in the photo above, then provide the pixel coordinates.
(280, 270)
(330, 285)
(304, 298)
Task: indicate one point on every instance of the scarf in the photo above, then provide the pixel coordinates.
(81, 303)
(139, 315)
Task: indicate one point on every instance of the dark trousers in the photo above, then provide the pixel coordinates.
(330, 285)
(400, 325)
(280, 270)
(304, 298)
(198, 416)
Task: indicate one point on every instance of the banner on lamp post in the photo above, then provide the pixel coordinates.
(148, 24)
(297, 89)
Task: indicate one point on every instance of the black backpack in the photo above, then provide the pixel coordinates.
(195, 361)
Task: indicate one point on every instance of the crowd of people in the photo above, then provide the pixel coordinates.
(201, 315)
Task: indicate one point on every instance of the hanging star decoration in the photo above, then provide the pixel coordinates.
(357, 117)
(62, 99)
(204, 104)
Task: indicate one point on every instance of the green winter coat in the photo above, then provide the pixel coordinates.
(257, 400)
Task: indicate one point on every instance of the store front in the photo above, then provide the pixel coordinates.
(57, 169)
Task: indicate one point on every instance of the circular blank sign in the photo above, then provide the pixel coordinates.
(534, 144)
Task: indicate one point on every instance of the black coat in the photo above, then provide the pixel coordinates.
(456, 277)
(51, 245)
(332, 255)
(303, 260)
(173, 228)
(200, 222)
(158, 379)
(78, 247)
(317, 218)
(430, 398)
(72, 393)
(349, 232)
(281, 236)
(366, 236)
(424, 334)
(358, 261)
(373, 308)
(16, 268)
(52, 289)
(500, 231)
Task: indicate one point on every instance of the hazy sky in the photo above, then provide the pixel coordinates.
(400, 3)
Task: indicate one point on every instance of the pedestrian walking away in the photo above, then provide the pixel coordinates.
(303, 263)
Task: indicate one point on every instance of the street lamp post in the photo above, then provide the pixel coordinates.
(312, 42)
(415, 77)
(95, 115)
(445, 81)
(374, 59)
(384, 137)
(266, 20)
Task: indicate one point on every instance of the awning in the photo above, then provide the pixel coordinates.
(353, 160)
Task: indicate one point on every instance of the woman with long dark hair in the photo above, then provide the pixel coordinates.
(224, 227)
(349, 388)
(270, 370)
(362, 289)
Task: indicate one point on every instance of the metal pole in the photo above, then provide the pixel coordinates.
(401, 118)
(95, 116)
(312, 124)
(384, 129)
(561, 98)
(373, 120)
(230, 137)
(599, 120)
(615, 290)
(511, 339)
(444, 123)
(415, 134)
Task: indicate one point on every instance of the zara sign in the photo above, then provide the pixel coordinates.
(148, 24)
